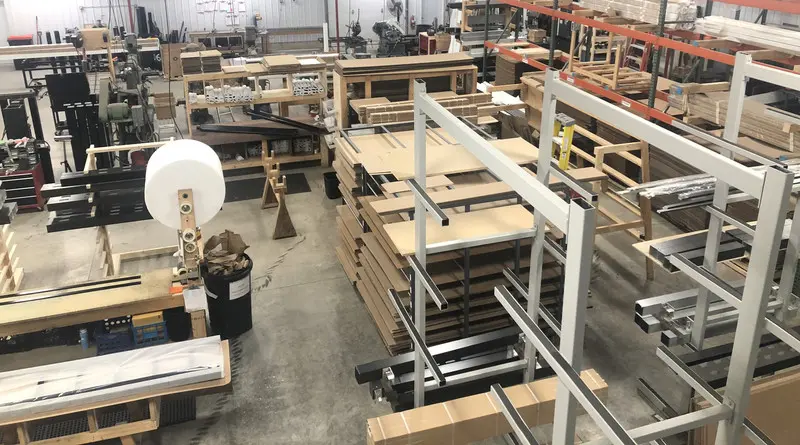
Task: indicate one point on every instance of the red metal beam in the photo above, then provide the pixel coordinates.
(788, 6)
(638, 35)
(633, 105)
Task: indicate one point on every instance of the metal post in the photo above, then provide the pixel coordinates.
(420, 237)
(720, 201)
(485, 39)
(542, 175)
(655, 57)
(573, 316)
(789, 265)
(769, 230)
(553, 31)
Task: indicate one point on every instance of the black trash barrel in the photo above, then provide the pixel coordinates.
(229, 301)
(331, 185)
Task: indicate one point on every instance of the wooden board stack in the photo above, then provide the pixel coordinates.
(466, 105)
(281, 64)
(709, 102)
(376, 233)
(762, 36)
(645, 10)
(385, 65)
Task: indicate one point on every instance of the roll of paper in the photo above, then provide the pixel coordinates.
(179, 165)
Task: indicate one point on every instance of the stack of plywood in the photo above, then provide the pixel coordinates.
(466, 105)
(645, 10)
(376, 232)
(386, 65)
(711, 105)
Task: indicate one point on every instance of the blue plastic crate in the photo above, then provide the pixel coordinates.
(150, 334)
(117, 340)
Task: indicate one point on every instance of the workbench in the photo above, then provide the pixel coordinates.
(88, 302)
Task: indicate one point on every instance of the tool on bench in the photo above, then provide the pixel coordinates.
(562, 142)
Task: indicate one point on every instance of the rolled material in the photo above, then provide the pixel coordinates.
(179, 165)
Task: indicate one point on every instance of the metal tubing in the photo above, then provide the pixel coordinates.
(578, 267)
(689, 376)
(432, 207)
(471, 376)
(551, 321)
(539, 219)
(655, 57)
(731, 146)
(427, 281)
(743, 178)
(741, 225)
(553, 208)
(521, 431)
(720, 201)
(553, 32)
(769, 229)
(420, 237)
(419, 346)
(566, 374)
(789, 264)
(485, 38)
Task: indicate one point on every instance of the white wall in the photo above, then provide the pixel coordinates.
(20, 16)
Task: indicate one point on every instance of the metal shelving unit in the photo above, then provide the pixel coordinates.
(771, 186)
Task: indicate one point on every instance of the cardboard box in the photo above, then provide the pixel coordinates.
(474, 418)
(95, 38)
(171, 60)
(537, 35)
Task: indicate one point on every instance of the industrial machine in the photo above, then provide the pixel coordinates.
(393, 41)
(123, 101)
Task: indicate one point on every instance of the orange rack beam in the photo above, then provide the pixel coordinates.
(787, 6)
(643, 109)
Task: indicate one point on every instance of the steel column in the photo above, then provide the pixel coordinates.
(580, 245)
(420, 238)
(789, 264)
(769, 229)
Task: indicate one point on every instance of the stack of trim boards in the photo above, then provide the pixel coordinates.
(376, 233)
(201, 62)
(466, 105)
(705, 101)
(762, 36)
(30, 391)
(645, 10)
(408, 63)
(281, 64)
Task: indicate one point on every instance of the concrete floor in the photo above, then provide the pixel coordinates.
(295, 382)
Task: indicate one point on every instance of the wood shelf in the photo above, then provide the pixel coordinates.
(287, 159)
(298, 100)
(247, 163)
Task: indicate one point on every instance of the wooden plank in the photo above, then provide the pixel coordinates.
(430, 182)
(471, 225)
(152, 295)
(474, 418)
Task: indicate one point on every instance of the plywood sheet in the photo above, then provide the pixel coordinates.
(444, 160)
(430, 182)
(472, 225)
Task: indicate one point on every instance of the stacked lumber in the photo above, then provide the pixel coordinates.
(645, 10)
(762, 36)
(281, 64)
(201, 62)
(376, 233)
(385, 112)
(711, 105)
(374, 66)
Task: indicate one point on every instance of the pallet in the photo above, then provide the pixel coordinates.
(611, 75)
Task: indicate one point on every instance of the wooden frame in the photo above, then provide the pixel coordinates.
(283, 97)
(10, 272)
(341, 82)
(274, 195)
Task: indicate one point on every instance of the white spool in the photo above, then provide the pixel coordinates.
(183, 164)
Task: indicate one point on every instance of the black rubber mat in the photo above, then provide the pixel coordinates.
(244, 189)
(297, 183)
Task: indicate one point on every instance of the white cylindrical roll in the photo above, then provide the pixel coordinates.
(178, 165)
